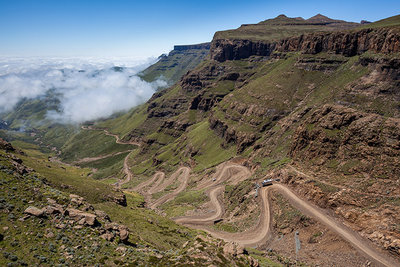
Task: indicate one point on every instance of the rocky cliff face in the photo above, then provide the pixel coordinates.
(350, 43)
(224, 49)
(350, 141)
(190, 47)
(384, 41)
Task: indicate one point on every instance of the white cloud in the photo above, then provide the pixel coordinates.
(87, 89)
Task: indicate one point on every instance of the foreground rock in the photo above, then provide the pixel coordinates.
(31, 210)
(81, 217)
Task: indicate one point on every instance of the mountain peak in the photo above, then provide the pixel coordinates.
(282, 16)
(319, 18)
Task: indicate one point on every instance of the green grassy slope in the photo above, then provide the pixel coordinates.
(90, 143)
(175, 65)
(56, 239)
(388, 22)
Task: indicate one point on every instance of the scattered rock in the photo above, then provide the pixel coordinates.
(121, 249)
(118, 198)
(108, 236)
(101, 214)
(111, 226)
(77, 200)
(51, 201)
(24, 218)
(61, 226)
(124, 235)
(233, 249)
(53, 210)
(49, 235)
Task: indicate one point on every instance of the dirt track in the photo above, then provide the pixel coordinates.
(183, 178)
(157, 178)
(91, 159)
(126, 169)
(261, 232)
(206, 219)
(117, 139)
(233, 173)
(352, 237)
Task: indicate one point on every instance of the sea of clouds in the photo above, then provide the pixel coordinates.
(88, 89)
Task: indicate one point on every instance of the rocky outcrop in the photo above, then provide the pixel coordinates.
(5, 145)
(222, 50)
(81, 217)
(196, 80)
(230, 135)
(348, 43)
(351, 43)
(358, 141)
(119, 198)
(190, 47)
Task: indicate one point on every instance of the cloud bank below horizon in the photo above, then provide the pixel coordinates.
(86, 90)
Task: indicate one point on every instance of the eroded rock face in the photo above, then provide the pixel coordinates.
(222, 50)
(230, 135)
(361, 141)
(348, 43)
(384, 41)
(334, 132)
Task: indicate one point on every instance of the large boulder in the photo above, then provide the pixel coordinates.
(81, 217)
(31, 210)
(123, 233)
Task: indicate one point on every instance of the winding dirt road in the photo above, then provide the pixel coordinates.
(126, 169)
(206, 219)
(158, 177)
(260, 233)
(366, 247)
(183, 178)
(117, 138)
(91, 159)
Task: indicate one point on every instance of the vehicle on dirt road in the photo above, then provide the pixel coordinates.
(267, 182)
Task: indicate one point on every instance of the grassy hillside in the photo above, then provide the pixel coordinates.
(388, 22)
(50, 236)
(173, 66)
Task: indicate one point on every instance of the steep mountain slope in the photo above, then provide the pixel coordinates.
(174, 65)
(319, 110)
(29, 122)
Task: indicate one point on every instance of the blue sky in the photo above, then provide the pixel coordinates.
(139, 29)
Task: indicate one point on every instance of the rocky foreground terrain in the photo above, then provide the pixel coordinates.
(45, 226)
